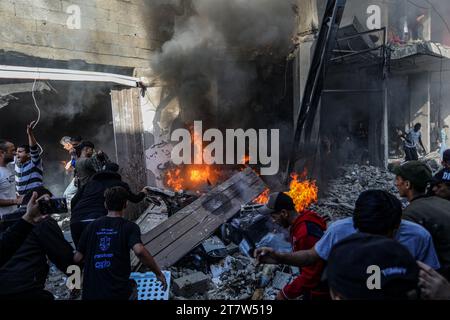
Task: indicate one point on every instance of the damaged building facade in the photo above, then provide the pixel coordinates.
(388, 71)
(130, 79)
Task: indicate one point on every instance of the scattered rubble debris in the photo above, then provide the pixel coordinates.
(344, 190)
(221, 267)
(189, 285)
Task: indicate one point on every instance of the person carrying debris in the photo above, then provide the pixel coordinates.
(28, 165)
(433, 213)
(88, 163)
(23, 277)
(89, 202)
(306, 228)
(376, 212)
(412, 139)
(105, 249)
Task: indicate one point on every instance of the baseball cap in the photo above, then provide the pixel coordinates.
(277, 202)
(415, 171)
(446, 156)
(442, 176)
(349, 262)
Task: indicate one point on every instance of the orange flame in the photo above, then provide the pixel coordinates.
(245, 159)
(173, 179)
(191, 177)
(304, 192)
(263, 197)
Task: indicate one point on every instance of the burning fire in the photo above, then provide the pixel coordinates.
(263, 197)
(303, 191)
(191, 177)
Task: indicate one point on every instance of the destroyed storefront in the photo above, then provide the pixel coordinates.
(387, 72)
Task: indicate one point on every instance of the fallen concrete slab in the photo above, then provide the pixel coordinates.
(177, 236)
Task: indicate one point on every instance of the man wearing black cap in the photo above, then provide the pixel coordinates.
(306, 228)
(446, 159)
(433, 213)
(441, 184)
(376, 212)
(378, 268)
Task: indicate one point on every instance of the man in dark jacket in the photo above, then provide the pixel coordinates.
(306, 228)
(89, 202)
(433, 213)
(23, 276)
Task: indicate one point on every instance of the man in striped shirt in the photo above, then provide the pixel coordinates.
(28, 165)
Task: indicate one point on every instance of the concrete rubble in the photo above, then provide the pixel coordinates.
(237, 277)
(343, 191)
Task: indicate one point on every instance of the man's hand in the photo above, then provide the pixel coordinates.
(19, 200)
(433, 285)
(145, 190)
(30, 128)
(266, 256)
(33, 214)
(162, 279)
(280, 296)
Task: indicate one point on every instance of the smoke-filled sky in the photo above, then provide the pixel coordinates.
(218, 36)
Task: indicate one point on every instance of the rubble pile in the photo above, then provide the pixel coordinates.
(236, 280)
(221, 268)
(343, 191)
(56, 284)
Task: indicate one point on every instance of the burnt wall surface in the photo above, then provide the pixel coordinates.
(109, 32)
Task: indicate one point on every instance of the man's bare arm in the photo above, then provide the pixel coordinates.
(31, 139)
(146, 258)
(9, 202)
(300, 258)
(421, 144)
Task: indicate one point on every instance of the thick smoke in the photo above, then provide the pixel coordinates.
(211, 43)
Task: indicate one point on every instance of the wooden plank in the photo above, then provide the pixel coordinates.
(193, 208)
(169, 255)
(201, 218)
(200, 215)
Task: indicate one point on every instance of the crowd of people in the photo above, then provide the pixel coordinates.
(102, 237)
(384, 251)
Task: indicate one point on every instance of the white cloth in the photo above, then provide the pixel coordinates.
(7, 189)
(413, 138)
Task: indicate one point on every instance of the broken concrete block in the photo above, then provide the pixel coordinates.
(195, 283)
(232, 249)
